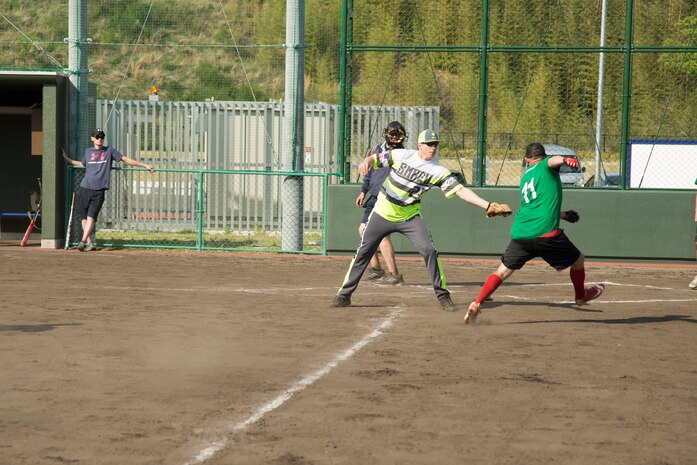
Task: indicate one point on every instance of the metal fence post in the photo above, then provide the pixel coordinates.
(626, 92)
(199, 209)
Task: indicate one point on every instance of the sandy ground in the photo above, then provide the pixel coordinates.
(127, 357)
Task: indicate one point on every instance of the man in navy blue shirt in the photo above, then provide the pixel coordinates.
(97, 162)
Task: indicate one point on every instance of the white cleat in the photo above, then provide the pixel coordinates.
(693, 283)
(592, 293)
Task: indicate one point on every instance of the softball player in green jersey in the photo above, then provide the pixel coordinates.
(398, 209)
(536, 233)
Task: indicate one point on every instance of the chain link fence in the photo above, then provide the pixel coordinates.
(500, 73)
(204, 210)
(560, 72)
(617, 89)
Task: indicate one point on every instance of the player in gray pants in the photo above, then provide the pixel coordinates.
(398, 209)
(416, 231)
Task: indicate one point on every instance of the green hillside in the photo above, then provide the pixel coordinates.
(233, 50)
(191, 49)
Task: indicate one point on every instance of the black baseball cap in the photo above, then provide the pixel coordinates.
(97, 132)
(535, 150)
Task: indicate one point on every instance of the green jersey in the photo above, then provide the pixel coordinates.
(540, 202)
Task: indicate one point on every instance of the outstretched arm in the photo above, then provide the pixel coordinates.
(132, 162)
(469, 196)
(69, 160)
(492, 208)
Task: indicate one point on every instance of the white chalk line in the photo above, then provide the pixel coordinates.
(367, 288)
(250, 290)
(404, 289)
(646, 301)
(639, 285)
(643, 301)
(647, 286)
(216, 446)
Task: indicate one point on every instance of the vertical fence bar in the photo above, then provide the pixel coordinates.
(626, 92)
(483, 94)
(342, 169)
(199, 178)
(325, 183)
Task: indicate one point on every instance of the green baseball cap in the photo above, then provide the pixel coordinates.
(427, 136)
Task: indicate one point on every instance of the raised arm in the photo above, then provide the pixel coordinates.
(69, 160)
(557, 160)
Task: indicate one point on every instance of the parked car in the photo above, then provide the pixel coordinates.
(612, 179)
(569, 176)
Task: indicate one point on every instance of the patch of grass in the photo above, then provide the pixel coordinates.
(258, 240)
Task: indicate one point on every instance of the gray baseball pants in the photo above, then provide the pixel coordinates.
(375, 230)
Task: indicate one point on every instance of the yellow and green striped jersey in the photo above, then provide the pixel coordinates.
(409, 179)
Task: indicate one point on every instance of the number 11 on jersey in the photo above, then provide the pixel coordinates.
(529, 186)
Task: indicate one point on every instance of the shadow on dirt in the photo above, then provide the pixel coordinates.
(40, 328)
(636, 320)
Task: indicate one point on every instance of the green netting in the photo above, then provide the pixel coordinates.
(529, 72)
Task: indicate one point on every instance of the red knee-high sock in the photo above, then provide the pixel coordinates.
(578, 278)
(492, 283)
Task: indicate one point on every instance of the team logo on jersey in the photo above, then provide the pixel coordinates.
(94, 156)
(413, 174)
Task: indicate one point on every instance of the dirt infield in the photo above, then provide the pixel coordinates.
(126, 357)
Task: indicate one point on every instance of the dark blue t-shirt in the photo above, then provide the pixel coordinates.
(373, 181)
(98, 167)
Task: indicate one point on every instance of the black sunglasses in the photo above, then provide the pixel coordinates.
(99, 137)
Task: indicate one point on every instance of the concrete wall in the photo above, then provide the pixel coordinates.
(53, 167)
(647, 224)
